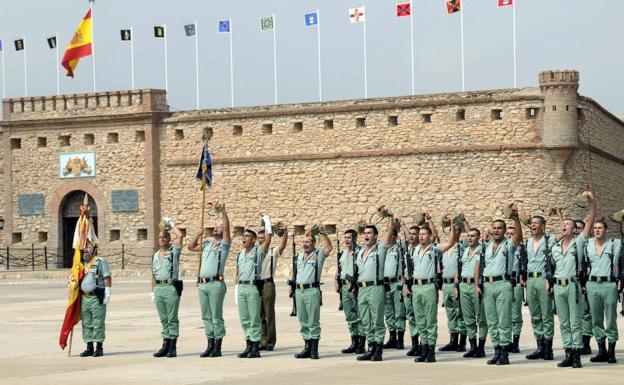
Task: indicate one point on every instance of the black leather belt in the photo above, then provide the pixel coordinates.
(534, 274)
(246, 282)
(390, 280)
(369, 283)
(597, 279)
(495, 278)
(420, 282)
(468, 280)
(268, 280)
(88, 293)
(303, 286)
(565, 282)
(449, 280)
(164, 282)
(210, 279)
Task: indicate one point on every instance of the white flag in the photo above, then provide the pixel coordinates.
(356, 15)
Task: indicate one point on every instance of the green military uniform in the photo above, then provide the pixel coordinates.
(92, 313)
(517, 302)
(166, 297)
(249, 265)
(451, 304)
(409, 314)
(394, 306)
(267, 312)
(349, 301)
(473, 309)
(570, 308)
(540, 301)
(602, 293)
(498, 296)
(425, 298)
(371, 297)
(308, 300)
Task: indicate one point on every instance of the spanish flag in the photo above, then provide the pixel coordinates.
(80, 45)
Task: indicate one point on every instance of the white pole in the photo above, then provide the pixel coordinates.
(93, 44)
(197, 64)
(3, 73)
(231, 68)
(412, 45)
(365, 74)
(274, 59)
(132, 57)
(166, 68)
(515, 82)
(318, 40)
(25, 69)
(463, 76)
(57, 65)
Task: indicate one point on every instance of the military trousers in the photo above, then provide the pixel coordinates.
(425, 303)
(587, 324)
(409, 313)
(603, 307)
(309, 312)
(454, 319)
(93, 316)
(540, 308)
(371, 306)
(570, 308)
(267, 314)
(167, 303)
(211, 297)
(497, 298)
(249, 304)
(394, 308)
(473, 311)
(516, 310)
(349, 307)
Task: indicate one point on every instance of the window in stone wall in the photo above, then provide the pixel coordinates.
(267, 128)
(42, 141)
(393, 120)
(580, 115)
(237, 130)
(16, 237)
(208, 232)
(179, 134)
(64, 140)
(16, 143)
(426, 118)
(208, 133)
(330, 229)
(567, 108)
(554, 108)
(460, 115)
(360, 122)
(298, 126)
(328, 124)
(299, 229)
(112, 137)
(531, 112)
(238, 231)
(139, 136)
(42, 236)
(114, 235)
(89, 139)
(141, 234)
(497, 114)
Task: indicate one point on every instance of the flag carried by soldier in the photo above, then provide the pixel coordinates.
(204, 171)
(80, 45)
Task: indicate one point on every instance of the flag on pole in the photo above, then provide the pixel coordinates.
(205, 167)
(505, 3)
(403, 9)
(80, 45)
(19, 44)
(52, 42)
(311, 19)
(159, 31)
(224, 26)
(356, 15)
(1, 45)
(189, 29)
(453, 6)
(266, 23)
(126, 35)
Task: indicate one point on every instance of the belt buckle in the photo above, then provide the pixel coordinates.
(534, 274)
(300, 286)
(599, 279)
(364, 284)
(564, 282)
(219, 277)
(419, 281)
(491, 279)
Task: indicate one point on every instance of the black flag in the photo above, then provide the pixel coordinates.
(126, 35)
(52, 42)
(19, 44)
(159, 31)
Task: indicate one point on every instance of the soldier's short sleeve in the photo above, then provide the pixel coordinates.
(321, 259)
(104, 269)
(382, 248)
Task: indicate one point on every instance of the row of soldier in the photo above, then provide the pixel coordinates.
(383, 284)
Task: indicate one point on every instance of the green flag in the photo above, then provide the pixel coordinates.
(266, 23)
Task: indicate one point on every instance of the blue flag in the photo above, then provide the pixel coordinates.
(189, 29)
(0, 44)
(207, 161)
(224, 26)
(311, 19)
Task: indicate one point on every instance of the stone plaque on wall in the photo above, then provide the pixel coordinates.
(77, 165)
(30, 204)
(125, 200)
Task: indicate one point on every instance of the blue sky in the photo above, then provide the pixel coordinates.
(551, 34)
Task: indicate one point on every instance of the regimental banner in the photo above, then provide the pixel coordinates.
(77, 165)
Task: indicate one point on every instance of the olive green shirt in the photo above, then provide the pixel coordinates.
(501, 262)
(94, 276)
(309, 270)
(372, 268)
(169, 267)
(601, 264)
(567, 262)
(449, 259)
(470, 257)
(536, 260)
(249, 264)
(346, 263)
(393, 265)
(214, 257)
(267, 269)
(425, 265)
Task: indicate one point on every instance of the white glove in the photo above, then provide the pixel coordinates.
(267, 224)
(169, 222)
(107, 295)
(236, 294)
(152, 297)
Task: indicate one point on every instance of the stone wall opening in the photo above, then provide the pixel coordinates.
(69, 214)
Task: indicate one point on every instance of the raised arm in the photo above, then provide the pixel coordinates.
(284, 242)
(267, 242)
(517, 237)
(448, 244)
(327, 246)
(591, 218)
(178, 236)
(193, 245)
(227, 235)
(390, 229)
(434, 230)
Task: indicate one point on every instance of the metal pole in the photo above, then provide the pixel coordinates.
(365, 72)
(197, 64)
(231, 68)
(3, 72)
(93, 43)
(32, 248)
(8, 255)
(274, 59)
(318, 39)
(123, 256)
(132, 57)
(514, 47)
(25, 70)
(57, 65)
(412, 44)
(166, 64)
(45, 256)
(461, 18)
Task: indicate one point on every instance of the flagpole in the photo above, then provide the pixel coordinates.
(3, 74)
(318, 40)
(132, 57)
(463, 76)
(365, 73)
(25, 69)
(197, 64)
(166, 68)
(231, 67)
(58, 78)
(412, 44)
(71, 337)
(274, 59)
(93, 43)
(514, 46)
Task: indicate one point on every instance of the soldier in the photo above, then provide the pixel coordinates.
(497, 293)
(166, 288)
(518, 297)
(569, 277)
(540, 301)
(248, 272)
(211, 286)
(602, 253)
(411, 243)
(473, 309)
(349, 299)
(96, 294)
(267, 313)
(394, 306)
(587, 325)
(307, 292)
(370, 264)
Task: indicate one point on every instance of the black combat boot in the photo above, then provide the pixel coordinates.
(611, 353)
(164, 349)
(515, 347)
(391, 344)
(99, 351)
(255, 350)
(314, 349)
(539, 353)
(548, 352)
(173, 351)
(494, 359)
(245, 352)
(216, 349)
(423, 354)
(567, 361)
(209, 348)
(451, 346)
(305, 353)
(576, 358)
(419, 350)
(361, 346)
(586, 349)
(400, 345)
(412, 351)
(352, 347)
(461, 345)
(503, 358)
(377, 353)
(370, 353)
(430, 354)
(89, 350)
(473, 348)
(480, 353)
(602, 355)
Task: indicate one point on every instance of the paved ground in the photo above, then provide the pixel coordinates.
(32, 312)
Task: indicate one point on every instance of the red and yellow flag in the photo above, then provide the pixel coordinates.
(453, 6)
(80, 45)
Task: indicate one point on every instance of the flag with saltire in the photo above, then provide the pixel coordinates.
(403, 9)
(357, 14)
(453, 6)
(80, 45)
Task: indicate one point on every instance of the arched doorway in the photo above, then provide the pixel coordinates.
(69, 214)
